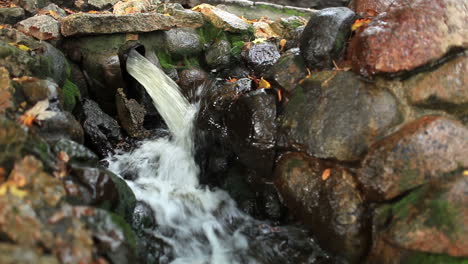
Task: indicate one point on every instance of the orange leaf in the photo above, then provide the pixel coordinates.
(282, 44)
(63, 156)
(359, 23)
(69, 11)
(326, 174)
(94, 12)
(263, 84)
(280, 95)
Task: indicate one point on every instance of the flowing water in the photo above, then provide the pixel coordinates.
(200, 225)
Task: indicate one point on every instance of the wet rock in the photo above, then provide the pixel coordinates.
(261, 56)
(95, 4)
(31, 6)
(363, 6)
(11, 15)
(113, 236)
(251, 127)
(263, 29)
(58, 65)
(42, 27)
(61, 125)
(219, 54)
(35, 90)
(428, 220)
(325, 36)
(137, 6)
(409, 35)
(327, 200)
(336, 115)
(191, 79)
(143, 217)
(6, 91)
(295, 40)
(55, 8)
(16, 254)
(286, 27)
(183, 41)
(12, 140)
(131, 115)
(102, 132)
(223, 20)
(419, 152)
(127, 200)
(78, 78)
(95, 187)
(443, 88)
(85, 23)
(288, 71)
(75, 151)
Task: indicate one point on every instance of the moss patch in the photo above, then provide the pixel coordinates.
(130, 236)
(425, 258)
(70, 94)
(289, 12)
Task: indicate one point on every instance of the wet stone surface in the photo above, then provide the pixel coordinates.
(418, 153)
(326, 199)
(260, 57)
(324, 38)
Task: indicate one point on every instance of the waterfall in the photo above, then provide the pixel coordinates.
(196, 222)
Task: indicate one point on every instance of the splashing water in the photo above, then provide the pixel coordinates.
(201, 226)
(196, 222)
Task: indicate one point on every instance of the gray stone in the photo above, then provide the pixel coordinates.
(289, 71)
(183, 41)
(11, 15)
(95, 4)
(219, 54)
(85, 23)
(324, 38)
(261, 56)
(223, 20)
(42, 27)
(336, 115)
(55, 8)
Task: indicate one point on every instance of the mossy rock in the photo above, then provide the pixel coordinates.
(127, 199)
(71, 94)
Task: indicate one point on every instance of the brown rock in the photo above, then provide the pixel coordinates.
(409, 35)
(131, 115)
(6, 99)
(363, 6)
(327, 200)
(222, 19)
(419, 152)
(42, 27)
(446, 85)
(431, 219)
(85, 23)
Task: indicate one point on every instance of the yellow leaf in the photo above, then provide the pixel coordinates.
(259, 40)
(198, 8)
(2, 26)
(17, 192)
(3, 189)
(263, 84)
(465, 173)
(23, 47)
(167, 14)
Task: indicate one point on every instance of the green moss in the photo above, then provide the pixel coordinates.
(236, 48)
(443, 216)
(70, 94)
(130, 236)
(127, 199)
(165, 59)
(297, 101)
(290, 12)
(425, 258)
(209, 33)
(190, 62)
(409, 177)
(402, 208)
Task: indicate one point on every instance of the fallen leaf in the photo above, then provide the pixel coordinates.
(465, 173)
(326, 174)
(371, 12)
(200, 7)
(129, 10)
(259, 40)
(69, 11)
(20, 46)
(167, 14)
(263, 84)
(359, 23)
(282, 44)
(94, 12)
(280, 95)
(37, 113)
(309, 74)
(231, 80)
(63, 156)
(131, 36)
(54, 14)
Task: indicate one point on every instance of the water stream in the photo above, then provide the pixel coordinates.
(200, 225)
